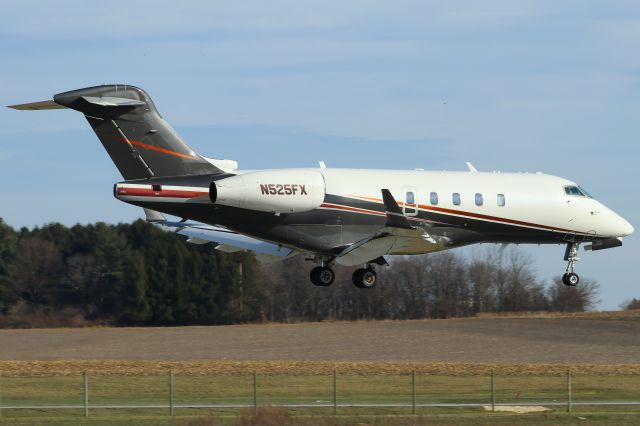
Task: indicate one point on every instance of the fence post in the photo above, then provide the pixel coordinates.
(171, 392)
(255, 391)
(335, 392)
(85, 377)
(413, 391)
(0, 395)
(493, 390)
(568, 390)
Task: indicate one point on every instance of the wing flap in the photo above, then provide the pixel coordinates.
(389, 240)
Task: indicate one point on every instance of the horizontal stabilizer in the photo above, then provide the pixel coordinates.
(50, 104)
(112, 101)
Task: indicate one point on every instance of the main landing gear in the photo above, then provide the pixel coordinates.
(364, 277)
(570, 278)
(322, 276)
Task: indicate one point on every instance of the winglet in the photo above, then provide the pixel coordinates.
(395, 218)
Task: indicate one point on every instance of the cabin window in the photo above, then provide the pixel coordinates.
(501, 200)
(410, 198)
(456, 199)
(478, 199)
(433, 197)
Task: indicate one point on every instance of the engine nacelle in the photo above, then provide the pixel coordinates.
(274, 191)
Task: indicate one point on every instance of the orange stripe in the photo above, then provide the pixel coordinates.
(154, 148)
(366, 198)
(475, 215)
(494, 218)
(351, 209)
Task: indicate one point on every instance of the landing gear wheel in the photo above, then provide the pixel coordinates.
(322, 276)
(364, 278)
(570, 279)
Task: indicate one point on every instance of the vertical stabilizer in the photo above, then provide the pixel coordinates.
(138, 140)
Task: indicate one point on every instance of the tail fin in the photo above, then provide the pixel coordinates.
(139, 141)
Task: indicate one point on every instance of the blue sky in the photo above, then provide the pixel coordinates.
(508, 85)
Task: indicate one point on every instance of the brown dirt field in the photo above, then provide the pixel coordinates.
(470, 344)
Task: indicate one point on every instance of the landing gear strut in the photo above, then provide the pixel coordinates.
(570, 278)
(322, 276)
(364, 277)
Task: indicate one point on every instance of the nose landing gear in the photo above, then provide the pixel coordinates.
(570, 278)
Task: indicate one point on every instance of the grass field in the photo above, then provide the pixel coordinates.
(248, 418)
(283, 383)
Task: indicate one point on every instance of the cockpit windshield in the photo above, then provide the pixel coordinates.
(576, 191)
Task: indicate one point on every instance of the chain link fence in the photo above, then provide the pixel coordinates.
(401, 393)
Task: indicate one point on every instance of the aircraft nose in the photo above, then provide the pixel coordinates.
(627, 228)
(615, 225)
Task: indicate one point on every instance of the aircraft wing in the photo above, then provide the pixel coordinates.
(398, 236)
(224, 239)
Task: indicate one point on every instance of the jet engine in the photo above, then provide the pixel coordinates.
(277, 191)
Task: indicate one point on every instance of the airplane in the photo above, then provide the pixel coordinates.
(352, 217)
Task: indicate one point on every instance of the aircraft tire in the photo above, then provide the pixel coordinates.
(570, 279)
(364, 278)
(322, 276)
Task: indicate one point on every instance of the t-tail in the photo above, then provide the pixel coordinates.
(139, 141)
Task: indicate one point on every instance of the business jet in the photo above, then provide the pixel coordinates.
(345, 216)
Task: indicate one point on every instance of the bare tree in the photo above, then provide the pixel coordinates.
(631, 304)
(563, 298)
(428, 286)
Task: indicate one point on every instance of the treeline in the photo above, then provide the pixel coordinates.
(441, 285)
(137, 274)
(123, 274)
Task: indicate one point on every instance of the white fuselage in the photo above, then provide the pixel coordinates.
(531, 198)
(322, 210)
